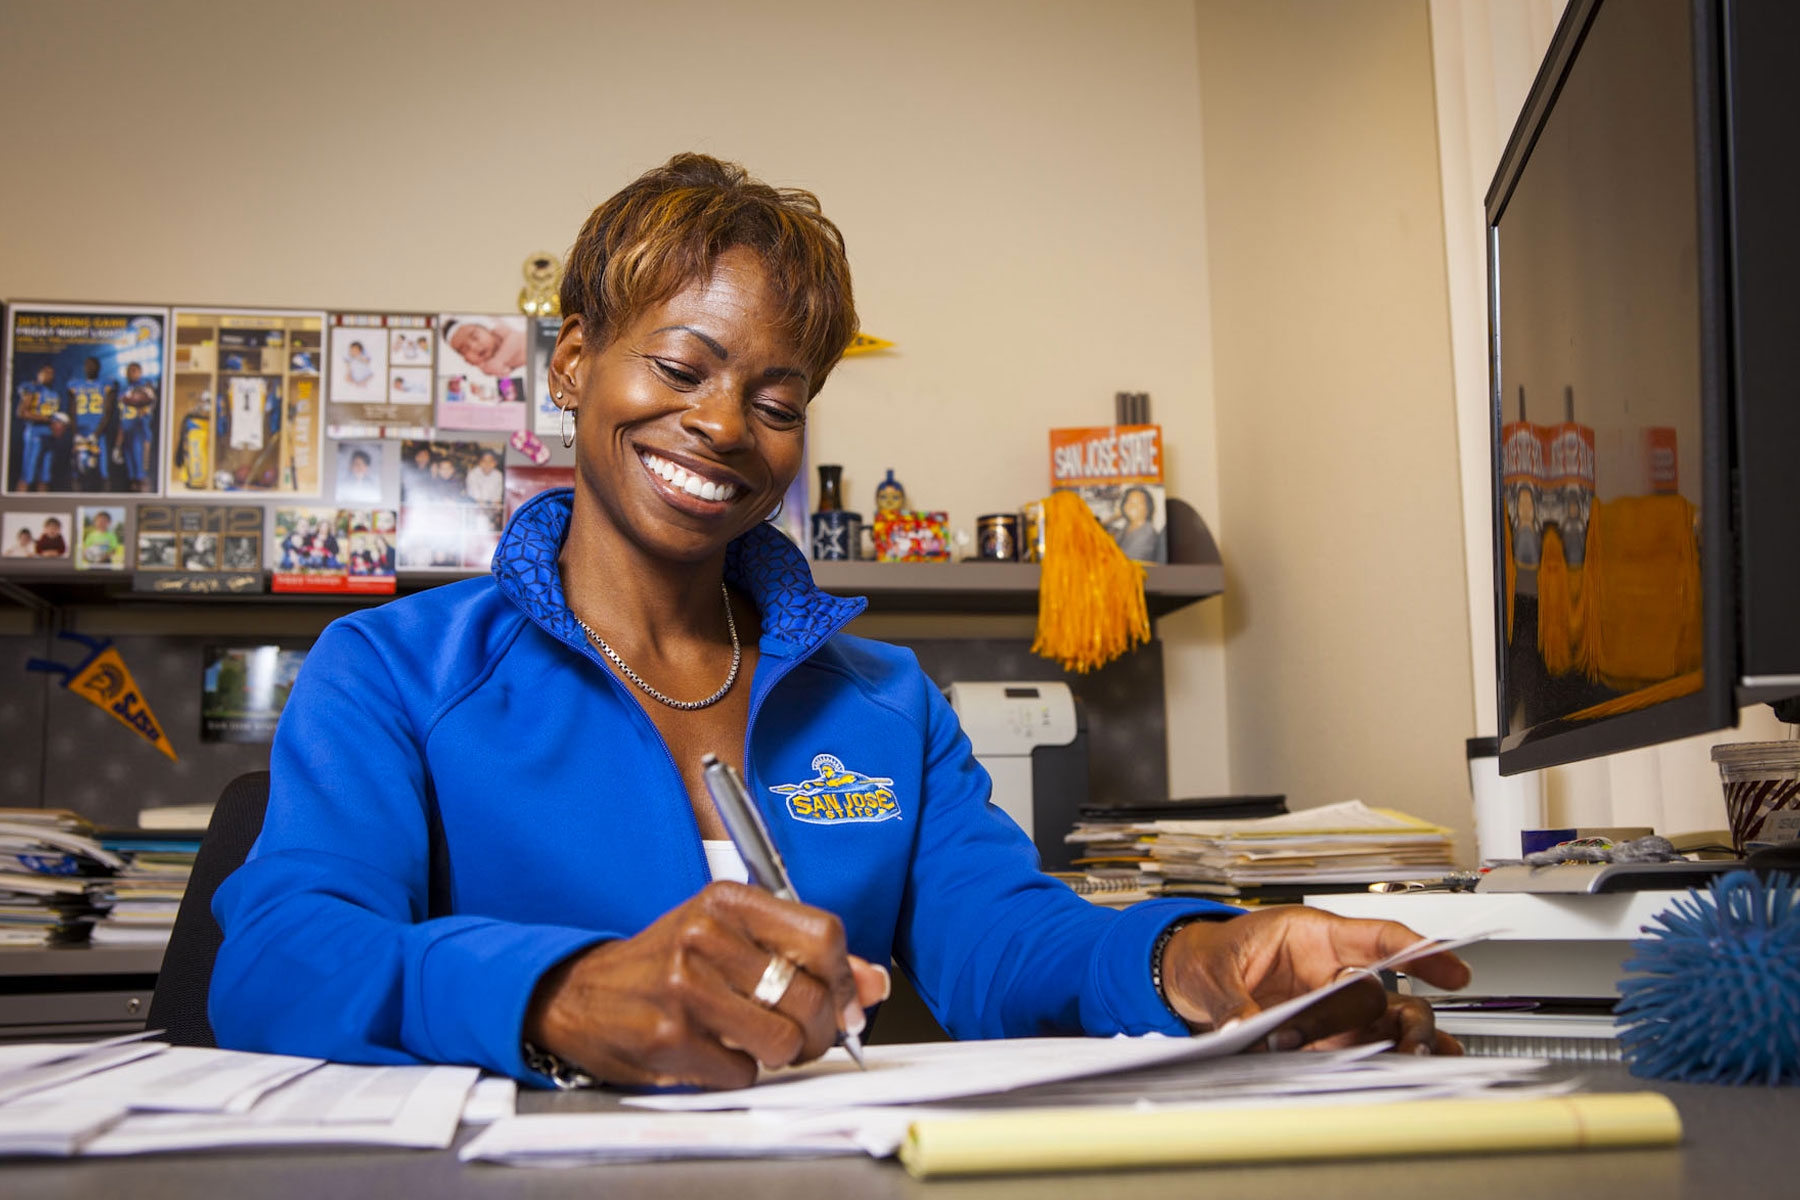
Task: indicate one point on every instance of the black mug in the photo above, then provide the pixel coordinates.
(836, 535)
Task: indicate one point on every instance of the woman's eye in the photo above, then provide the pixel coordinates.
(675, 374)
(779, 415)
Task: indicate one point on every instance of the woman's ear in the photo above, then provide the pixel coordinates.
(565, 363)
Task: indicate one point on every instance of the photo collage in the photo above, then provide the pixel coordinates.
(398, 425)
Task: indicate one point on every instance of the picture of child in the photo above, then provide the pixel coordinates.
(101, 547)
(37, 535)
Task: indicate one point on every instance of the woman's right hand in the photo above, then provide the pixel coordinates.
(673, 1004)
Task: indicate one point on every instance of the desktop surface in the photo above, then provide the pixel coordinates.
(1737, 1143)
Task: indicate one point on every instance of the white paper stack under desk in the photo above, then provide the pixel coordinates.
(1568, 951)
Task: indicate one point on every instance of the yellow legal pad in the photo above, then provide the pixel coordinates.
(1079, 1139)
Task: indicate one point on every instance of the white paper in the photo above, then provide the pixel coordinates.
(579, 1139)
(952, 1070)
(25, 1079)
(301, 1113)
(185, 1079)
(494, 1098)
(53, 1129)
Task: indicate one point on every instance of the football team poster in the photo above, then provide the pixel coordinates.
(379, 381)
(244, 410)
(84, 385)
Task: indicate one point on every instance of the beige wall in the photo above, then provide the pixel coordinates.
(1020, 183)
(1345, 612)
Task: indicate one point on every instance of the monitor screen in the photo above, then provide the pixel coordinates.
(1600, 326)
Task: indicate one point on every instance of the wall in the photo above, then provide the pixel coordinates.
(1019, 183)
(1345, 609)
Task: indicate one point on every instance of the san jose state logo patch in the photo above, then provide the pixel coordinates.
(838, 795)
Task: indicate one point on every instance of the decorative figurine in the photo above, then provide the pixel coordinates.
(890, 496)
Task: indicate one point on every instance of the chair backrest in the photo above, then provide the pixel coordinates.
(178, 1006)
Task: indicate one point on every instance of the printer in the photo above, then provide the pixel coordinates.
(1032, 739)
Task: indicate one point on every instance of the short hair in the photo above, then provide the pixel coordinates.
(360, 454)
(669, 227)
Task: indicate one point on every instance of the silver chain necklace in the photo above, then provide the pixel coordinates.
(612, 656)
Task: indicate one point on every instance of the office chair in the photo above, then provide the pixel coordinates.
(178, 1006)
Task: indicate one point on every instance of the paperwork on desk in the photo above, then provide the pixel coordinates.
(948, 1071)
(1310, 1079)
(141, 1097)
(1338, 843)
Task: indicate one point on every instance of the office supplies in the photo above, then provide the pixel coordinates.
(1032, 739)
(940, 1071)
(1088, 1139)
(1715, 986)
(761, 859)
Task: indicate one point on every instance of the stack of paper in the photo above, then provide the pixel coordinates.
(138, 1097)
(146, 893)
(53, 877)
(1348, 843)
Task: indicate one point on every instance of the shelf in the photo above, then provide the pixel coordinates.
(967, 587)
(995, 587)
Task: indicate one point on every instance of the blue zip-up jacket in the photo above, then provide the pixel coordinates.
(564, 822)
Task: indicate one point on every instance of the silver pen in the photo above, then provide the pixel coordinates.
(743, 821)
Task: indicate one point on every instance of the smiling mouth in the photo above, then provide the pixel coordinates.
(720, 491)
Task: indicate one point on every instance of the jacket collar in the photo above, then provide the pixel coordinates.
(762, 563)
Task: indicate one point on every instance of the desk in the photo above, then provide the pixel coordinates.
(75, 991)
(1739, 1143)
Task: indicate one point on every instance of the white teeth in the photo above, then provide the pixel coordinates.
(682, 479)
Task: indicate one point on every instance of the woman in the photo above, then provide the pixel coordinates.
(526, 888)
(1136, 536)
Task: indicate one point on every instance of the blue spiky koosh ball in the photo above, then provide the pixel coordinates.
(1715, 992)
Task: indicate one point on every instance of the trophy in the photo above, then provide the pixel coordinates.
(543, 275)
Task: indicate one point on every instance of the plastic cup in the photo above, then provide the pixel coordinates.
(1762, 791)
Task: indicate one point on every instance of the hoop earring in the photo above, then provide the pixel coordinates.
(779, 505)
(568, 426)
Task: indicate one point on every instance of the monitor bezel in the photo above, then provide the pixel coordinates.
(1560, 741)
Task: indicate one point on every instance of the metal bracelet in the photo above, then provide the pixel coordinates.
(566, 1076)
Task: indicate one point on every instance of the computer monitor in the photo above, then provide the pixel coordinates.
(1645, 371)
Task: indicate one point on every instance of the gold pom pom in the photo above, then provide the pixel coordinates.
(1091, 596)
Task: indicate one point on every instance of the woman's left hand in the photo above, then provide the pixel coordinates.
(1219, 971)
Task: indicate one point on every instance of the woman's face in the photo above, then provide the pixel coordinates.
(690, 420)
(1137, 507)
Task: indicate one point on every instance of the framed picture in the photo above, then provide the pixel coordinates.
(451, 504)
(244, 410)
(481, 375)
(243, 690)
(100, 545)
(335, 550)
(36, 536)
(84, 394)
(379, 381)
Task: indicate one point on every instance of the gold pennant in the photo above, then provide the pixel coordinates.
(864, 343)
(106, 682)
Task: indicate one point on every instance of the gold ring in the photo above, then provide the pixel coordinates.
(777, 977)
